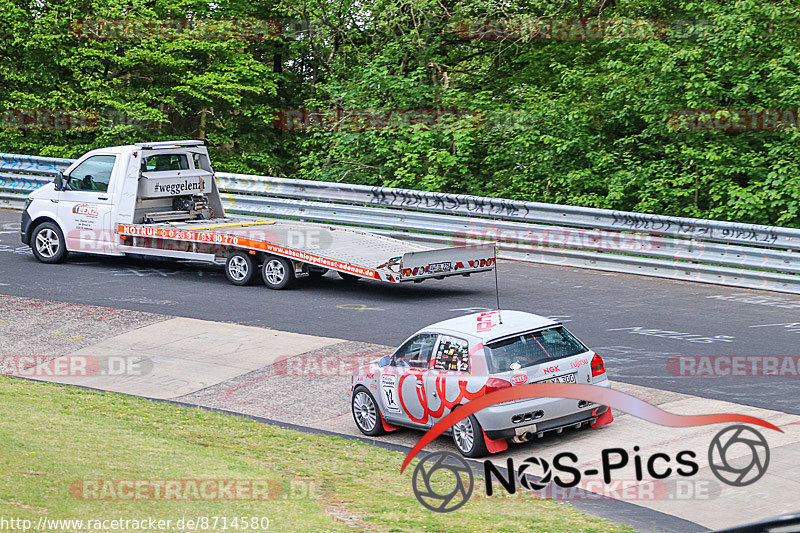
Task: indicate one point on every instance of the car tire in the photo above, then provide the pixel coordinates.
(240, 268)
(468, 437)
(366, 413)
(277, 272)
(48, 244)
(349, 278)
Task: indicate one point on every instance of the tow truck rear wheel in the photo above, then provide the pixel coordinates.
(240, 269)
(48, 244)
(277, 272)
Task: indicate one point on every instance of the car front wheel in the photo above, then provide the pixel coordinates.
(366, 413)
(47, 243)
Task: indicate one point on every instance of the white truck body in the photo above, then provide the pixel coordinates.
(161, 199)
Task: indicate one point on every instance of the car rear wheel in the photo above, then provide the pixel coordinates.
(366, 413)
(468, 437)
(47, 243)
(240, 269)
(277, 272)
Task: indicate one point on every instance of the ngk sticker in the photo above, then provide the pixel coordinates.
(87, 210)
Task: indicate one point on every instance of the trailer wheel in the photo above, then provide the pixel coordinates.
(48, 244)
(277, 272)
(240, 269)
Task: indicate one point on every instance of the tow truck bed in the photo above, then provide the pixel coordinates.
(353, 252)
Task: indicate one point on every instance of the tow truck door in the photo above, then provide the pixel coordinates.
(86, 203)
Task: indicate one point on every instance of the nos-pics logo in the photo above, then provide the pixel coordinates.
(443, 481)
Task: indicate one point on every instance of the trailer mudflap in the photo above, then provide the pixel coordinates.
(458, 260)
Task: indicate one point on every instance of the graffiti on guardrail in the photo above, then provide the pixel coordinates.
(449, 202)
(646, 222)
(32, 163)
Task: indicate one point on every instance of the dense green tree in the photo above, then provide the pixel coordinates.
(567, 120)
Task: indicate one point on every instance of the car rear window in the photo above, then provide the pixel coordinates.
(529, 349)
(165, 162)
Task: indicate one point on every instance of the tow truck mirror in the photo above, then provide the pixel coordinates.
(58, 181)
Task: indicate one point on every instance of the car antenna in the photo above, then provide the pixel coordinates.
(496, 285)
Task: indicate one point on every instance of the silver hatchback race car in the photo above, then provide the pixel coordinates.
(452, 362)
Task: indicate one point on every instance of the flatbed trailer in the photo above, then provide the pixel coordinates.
(161, 200)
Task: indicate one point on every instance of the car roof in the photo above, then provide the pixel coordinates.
(491, 325)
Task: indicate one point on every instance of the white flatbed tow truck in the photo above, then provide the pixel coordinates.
(160, 199)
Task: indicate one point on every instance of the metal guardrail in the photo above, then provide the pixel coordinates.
(710, 251)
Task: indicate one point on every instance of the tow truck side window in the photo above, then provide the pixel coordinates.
(94, 174)
(165, 163)
(452, 354)
(416, 352)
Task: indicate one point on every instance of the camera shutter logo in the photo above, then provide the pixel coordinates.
(528, 482)
(425, 482)
(743, 470)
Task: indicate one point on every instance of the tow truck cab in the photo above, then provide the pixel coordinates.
(138, 184)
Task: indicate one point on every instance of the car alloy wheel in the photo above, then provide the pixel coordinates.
(464, 435)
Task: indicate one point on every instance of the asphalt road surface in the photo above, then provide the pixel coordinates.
(636, 323)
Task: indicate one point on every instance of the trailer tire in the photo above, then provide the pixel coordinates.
(277, 272)
(240, 269)
(48, 244)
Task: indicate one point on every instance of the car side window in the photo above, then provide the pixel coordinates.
(416, 352)
(94, 174)
(452, 354)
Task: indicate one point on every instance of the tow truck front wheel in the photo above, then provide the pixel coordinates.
(47, 243)
(277, 272)
(240, 269)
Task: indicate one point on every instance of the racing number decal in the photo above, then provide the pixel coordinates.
(389, 392)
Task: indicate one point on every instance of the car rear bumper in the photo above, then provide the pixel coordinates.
(537, 415)
(554, 424)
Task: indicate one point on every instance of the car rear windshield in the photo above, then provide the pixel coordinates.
(529, 349)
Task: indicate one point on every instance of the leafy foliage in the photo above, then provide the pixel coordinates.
(573, 121)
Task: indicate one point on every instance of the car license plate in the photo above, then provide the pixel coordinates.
(434, 268)
(566, 378)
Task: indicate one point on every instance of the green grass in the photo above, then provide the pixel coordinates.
(52, 436)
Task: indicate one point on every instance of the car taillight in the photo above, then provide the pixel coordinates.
(493, 384)
(598, 367)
